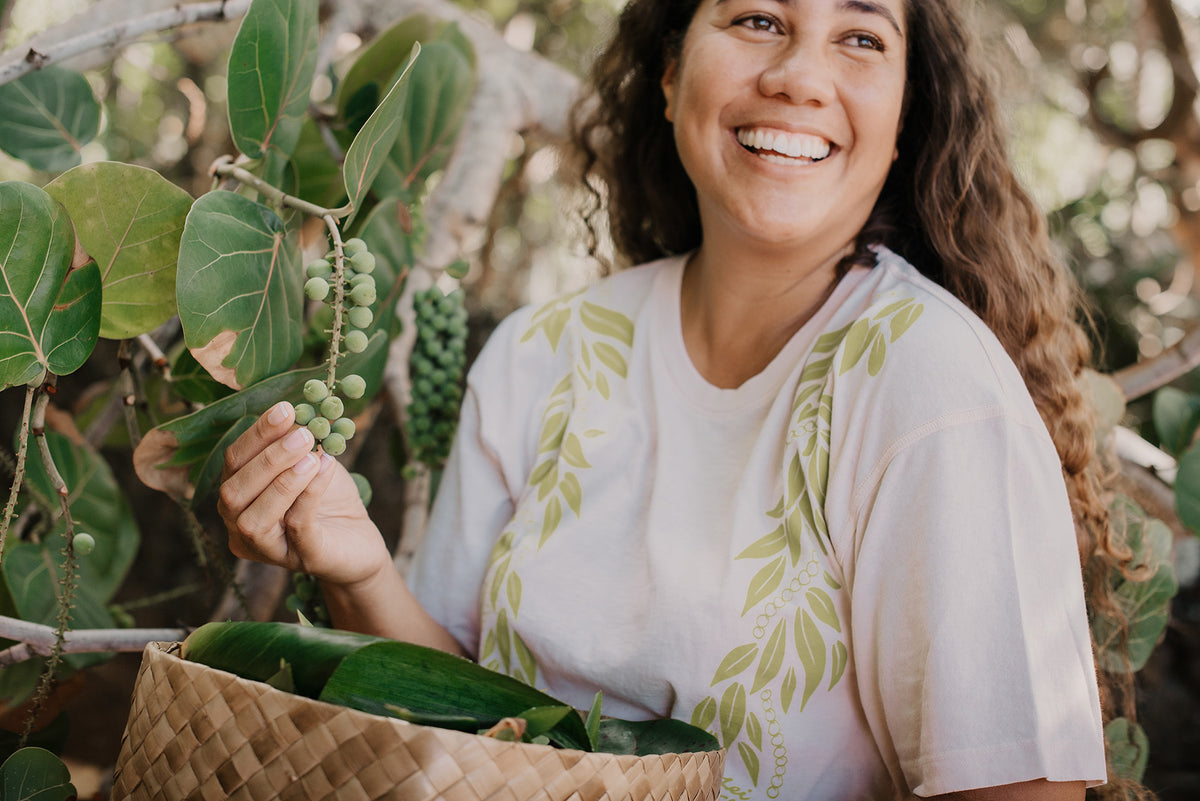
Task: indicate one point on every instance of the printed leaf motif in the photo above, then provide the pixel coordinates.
(751, 760)
(49, 313)
(572, 452)
(891, 309)
(371, 146)
(504, 639)
(46, 116)
(856, 344)
(525, 658)
(733, 713)
(754, 730)
(830, 341)
(788, 691)
(540, 472)
(498, 580)
(765, 582)
(607, 322)
(839, 658)
(772, 657)
(271, 68)
(602, 386)
(735, 662)
(548, 484)
(551, 520)
(878, 354)
(611, 358)
(903, 321)
(239, 290)
(832, 582)
(552, 433)
(513, 589)
(767, 546)
(810, 646)
(130, 220)
(572, 492)
(705, 713)
(822, 606)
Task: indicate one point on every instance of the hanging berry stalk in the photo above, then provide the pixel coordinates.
(343, 280)
(436, 369)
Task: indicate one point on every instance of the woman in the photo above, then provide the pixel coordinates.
(776, 481)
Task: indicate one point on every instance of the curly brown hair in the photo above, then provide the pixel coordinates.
(951, 205)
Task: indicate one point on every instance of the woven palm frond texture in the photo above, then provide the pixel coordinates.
(201, 734)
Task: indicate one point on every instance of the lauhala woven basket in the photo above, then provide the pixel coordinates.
(199, 733)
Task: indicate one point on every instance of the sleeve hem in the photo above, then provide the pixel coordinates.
(971, 769)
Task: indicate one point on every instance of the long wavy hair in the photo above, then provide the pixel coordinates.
(951, 205)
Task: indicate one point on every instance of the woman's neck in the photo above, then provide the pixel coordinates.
(740, 308)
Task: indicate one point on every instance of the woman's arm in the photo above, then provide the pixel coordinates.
(1036, 790)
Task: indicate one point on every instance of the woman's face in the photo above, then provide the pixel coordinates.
(786, 114)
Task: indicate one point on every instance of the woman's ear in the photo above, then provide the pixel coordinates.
(670, 73)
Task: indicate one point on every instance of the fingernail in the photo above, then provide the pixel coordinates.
(300, 439)
(306, 465)
(278, 413)
(326, 462)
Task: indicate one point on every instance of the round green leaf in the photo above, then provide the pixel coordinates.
(49, 313)
(129, 219)
(239, 290)
(1187, 489)
(1128, 747)
(46, 116)
(35, 774)
(374, 70)
(1176, 416)
(271, 68)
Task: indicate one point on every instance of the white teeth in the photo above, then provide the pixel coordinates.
(795, 146)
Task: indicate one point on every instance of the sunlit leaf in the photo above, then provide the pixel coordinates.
(239, 289)
(49, 313)
(271, 67)
(46, 116)
(129, 219)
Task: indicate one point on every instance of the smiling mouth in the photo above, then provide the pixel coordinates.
(781, 147)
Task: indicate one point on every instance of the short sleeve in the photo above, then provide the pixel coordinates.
(969, 630)
(471, 508)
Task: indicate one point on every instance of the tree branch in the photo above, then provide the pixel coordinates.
(15, 64)
(36, 639)
(1138, 380)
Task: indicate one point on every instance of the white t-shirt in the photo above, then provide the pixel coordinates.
(858, 569)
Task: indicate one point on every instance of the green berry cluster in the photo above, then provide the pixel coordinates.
(436, 369)
(306, 598)
(323, 408)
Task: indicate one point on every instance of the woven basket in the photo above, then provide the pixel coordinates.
(199, 733)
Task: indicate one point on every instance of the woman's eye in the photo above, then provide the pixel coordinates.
(865, 40)
(759, 22)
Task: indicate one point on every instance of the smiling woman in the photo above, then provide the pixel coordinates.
(817, 476)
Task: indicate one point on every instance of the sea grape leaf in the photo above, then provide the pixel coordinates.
(129, 219)
(436, 96)
(171, 457)
(49, 312)
(386, 232)
(369, 150)
(1176, 415)
(1187, 488)
(47, 116)
(271, 68)
(318, 175)
(239, 289)
(646, 737)
(98, 506)
(375, 68)
(1129, 748)
(35, 774)
(193, 382)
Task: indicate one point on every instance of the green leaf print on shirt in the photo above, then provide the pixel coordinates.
(603, 340)
(793, 654)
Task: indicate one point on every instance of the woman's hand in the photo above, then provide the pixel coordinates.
(286, 505)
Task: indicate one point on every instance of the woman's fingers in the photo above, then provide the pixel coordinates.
(258, 529)
(268, 428)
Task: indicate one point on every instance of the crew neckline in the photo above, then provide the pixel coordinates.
(758, 389)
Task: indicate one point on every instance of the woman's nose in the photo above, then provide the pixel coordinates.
(801, 74)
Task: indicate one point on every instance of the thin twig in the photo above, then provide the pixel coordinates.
(339, 297)
(226, 168)
(129, 393)
(36, 639)
(13, 65)
(18, 471)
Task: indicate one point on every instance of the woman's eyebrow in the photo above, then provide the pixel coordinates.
(861, 6)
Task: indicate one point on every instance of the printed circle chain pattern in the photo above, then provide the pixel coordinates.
(778, 749)
(783, 598)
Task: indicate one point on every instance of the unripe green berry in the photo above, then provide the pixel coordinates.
(315, 390)
(319, 268)
(354, 246)
(334, 444)
(360, 317)
(363, 294)
(356, 341)
(344, 426)
(458, 269)
(316, 289)
(363, 486)
(304, 413)
(84, 543)
(319, 426)
(353, 386)
(360, 280)
(363, 262)
(332, 407)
